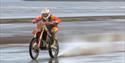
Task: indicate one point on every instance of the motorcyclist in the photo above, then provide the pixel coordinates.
(49, 20)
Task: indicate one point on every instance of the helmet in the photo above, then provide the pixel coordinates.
(46, 10)
(45, 13)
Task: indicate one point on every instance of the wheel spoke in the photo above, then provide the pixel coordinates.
(34, 50)
(54, 49)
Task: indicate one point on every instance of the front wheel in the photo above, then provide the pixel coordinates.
(33, 49)
(53, 48)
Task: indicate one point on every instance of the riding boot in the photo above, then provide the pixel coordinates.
(53, 40)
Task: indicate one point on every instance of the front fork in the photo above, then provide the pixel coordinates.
(40, 38)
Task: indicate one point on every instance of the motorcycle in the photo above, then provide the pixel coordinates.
(44, 41)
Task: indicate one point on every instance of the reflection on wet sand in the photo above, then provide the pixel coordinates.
(51, 60)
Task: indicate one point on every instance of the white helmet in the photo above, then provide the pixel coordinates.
(45, 13)
(46, 10)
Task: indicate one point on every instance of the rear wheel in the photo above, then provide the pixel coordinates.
(53, 51)
(33, 49)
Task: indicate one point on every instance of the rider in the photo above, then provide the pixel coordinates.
(49, 20)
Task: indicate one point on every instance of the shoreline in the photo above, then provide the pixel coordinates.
(65, 19)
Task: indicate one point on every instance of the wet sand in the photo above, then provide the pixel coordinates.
(76, 52)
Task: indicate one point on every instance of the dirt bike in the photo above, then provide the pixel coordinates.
(43, 42)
